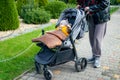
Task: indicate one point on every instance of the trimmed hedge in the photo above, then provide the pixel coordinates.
(30, 3)
(71, 5)
(26, 8)
(114, 2)
(37, 16)
(72, 1)
(55, 8)
(118, 1)
(69, 1)
(40, 3)
(8, 15)
(19, 5)
(66, 1)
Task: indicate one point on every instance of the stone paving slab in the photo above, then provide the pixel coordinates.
(110, 60)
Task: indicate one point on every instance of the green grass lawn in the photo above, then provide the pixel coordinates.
(113, 9)
(15, 46)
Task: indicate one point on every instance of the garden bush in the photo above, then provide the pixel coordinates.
(55, 8)
(69, 1)
(40, 3)
(72, 1)
(28, 4)
(71, 5)
(8, 15)
(114, 2)
(66, 1)
(118, 1)
(19, 5)
(26, 8)
(36, 16)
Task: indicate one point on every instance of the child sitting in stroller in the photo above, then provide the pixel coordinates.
(54, 38)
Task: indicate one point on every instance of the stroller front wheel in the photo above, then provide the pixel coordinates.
(48, 74)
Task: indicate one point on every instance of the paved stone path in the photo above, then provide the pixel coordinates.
(110, 60)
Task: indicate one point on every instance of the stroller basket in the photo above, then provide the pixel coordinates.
(65, 55)
(52, 58)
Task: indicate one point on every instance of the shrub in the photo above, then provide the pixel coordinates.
(36, 16)
(72, 1)
(66, 1)
(71, 5)
(114, 2)
(69, 1)
(118, 1)
(51, 0)
(19, 5)
(8, 15)
(55, 8)
(26, 8)
(40, 3)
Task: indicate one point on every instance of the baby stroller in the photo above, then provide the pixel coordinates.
(67, 51)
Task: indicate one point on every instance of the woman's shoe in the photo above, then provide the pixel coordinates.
(97, 62)
(91, 60)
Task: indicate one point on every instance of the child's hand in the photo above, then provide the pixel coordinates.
(86, 8)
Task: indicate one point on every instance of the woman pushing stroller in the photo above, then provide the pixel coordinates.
(99, 15)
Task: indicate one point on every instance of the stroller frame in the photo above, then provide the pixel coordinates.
(80, 63)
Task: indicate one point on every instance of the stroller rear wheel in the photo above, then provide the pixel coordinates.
(48, 74)
(80, 64)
